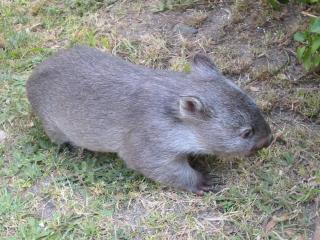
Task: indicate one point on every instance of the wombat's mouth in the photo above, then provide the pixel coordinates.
(262, 143)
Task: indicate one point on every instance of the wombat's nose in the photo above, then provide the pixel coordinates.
(264, 142)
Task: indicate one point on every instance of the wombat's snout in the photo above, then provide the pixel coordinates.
(263, 143)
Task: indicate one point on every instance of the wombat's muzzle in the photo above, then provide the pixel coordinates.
(263, 143)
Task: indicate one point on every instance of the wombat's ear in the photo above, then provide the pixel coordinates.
(203, 64)
(190, 106)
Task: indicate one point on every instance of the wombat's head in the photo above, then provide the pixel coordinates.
(222, 117)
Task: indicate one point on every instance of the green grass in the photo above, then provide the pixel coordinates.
(309, 103)
(46, 193)
(165, 5)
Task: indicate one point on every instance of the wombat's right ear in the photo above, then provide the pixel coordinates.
(190, 106)
(203, 65)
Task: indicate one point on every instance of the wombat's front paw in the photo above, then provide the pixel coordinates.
(201, 186)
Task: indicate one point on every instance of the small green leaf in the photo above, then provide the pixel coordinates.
(307, 63)
(317, 60)
(275, 4)
(299, 36)
(300, 52)
(307, 59)
(105, 42)
(315, 45)
(315, 27)
(307, 55)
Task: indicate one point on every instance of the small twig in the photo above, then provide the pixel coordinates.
(308, 14)
(111, 3)
(35, 26)
(290, 51)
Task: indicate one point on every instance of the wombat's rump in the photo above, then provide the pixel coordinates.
(152, 118)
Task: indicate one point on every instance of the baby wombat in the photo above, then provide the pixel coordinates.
(152, 118)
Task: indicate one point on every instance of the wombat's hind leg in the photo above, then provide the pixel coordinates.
(54, 133)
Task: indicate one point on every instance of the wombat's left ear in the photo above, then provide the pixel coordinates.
(203, 65)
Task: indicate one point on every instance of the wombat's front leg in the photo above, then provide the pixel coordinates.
(175, 172)
(178, 173)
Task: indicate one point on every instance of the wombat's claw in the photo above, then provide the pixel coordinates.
(199, 193)
(202, 188)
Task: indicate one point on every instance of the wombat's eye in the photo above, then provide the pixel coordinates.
(246, 133)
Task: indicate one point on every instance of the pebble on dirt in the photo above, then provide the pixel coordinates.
(3, 136)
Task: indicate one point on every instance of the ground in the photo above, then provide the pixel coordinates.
(50, 194)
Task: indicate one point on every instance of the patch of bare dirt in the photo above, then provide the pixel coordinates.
(45, 207)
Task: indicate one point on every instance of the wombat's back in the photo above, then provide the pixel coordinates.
(89, 98)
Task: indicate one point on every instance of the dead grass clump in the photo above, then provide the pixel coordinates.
(154, 50)
(197, 18)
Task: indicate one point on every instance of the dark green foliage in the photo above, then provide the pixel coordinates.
(276, 4)
(309, 52)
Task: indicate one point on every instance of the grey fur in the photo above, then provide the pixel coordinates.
(152, 118)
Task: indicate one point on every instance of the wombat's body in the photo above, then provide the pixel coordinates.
(152, 118)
